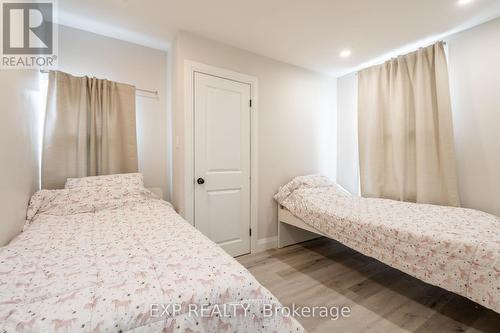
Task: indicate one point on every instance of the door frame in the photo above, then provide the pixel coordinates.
(190, 68)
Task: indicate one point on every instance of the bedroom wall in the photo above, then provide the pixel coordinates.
(347, 133)
(296, 121)
(21, 99)
(474, 85)
(85, 53)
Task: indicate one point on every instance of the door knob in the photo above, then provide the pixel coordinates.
(200, 181)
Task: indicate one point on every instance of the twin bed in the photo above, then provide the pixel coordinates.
(454, 248)
(105, 255)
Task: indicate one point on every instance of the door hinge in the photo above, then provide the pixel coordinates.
(250, 232)
(250, 103)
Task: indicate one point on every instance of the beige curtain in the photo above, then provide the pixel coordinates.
(89, 129)
(405, 129)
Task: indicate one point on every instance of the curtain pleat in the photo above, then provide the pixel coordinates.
(90, 129)
(405, 129)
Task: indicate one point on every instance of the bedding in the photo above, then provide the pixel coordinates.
(124, 180)
(454, 248)
(115, 259)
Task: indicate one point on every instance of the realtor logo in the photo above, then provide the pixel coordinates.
(28, 34)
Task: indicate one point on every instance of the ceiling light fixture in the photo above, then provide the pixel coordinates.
(464, 2)
(345, 53)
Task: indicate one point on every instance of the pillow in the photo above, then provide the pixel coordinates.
(123, 180)
(87, 199)
(309, 181)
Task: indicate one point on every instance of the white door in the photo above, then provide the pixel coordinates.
(222, 161)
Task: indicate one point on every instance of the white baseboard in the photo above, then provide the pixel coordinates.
(264, 244)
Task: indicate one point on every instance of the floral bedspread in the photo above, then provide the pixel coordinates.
(115, 259)
(454, 248)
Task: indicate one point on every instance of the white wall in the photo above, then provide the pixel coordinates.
(85, 53)
(21, 109)
(297, 121)
(474, 68)
(474, 62)
(347, 133)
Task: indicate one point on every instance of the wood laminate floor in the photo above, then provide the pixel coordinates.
(323, 272)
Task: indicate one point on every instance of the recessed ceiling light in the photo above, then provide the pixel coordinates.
(345, 53)
(464, 2)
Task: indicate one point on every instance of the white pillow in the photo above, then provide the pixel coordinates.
(123, 180)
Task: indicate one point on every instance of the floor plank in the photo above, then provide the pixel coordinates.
(323, 272)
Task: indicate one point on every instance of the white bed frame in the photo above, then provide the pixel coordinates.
(292, 230)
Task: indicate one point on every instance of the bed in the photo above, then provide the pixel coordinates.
(454, 248)
(107, 256)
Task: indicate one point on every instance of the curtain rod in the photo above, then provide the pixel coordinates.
(154, 92)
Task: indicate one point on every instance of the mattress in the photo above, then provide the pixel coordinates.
(454, 248)
(115, 259)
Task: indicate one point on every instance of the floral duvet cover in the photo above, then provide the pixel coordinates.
(115, 259)
(454, 248)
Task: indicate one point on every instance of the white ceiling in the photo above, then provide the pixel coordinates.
(306, 33)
